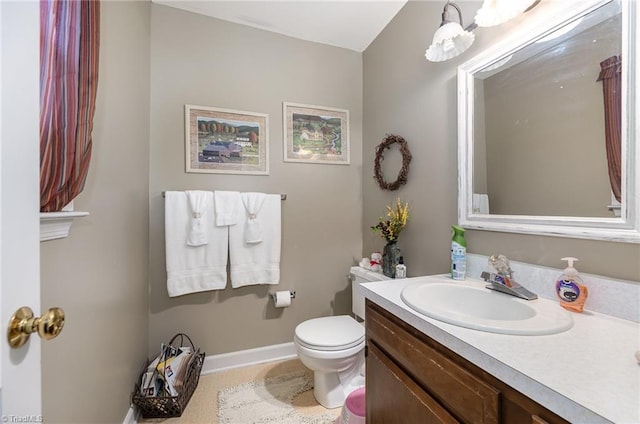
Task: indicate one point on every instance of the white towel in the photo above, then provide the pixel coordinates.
(192, 269)
(253, 203)
(257, 263)
(226, 204)
(480, 203)
(200, 202)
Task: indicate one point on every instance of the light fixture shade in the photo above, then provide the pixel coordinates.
(496, 12)
(561, 31)
(449, 41)
(497, 64)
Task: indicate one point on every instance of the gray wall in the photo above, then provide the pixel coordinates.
(409, 96)
(208, 62)
(99, 274)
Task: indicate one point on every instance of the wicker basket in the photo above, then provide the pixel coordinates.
(171, 406)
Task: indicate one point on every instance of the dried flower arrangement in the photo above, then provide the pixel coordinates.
(390, 226)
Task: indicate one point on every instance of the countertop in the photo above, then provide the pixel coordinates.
(587, 374)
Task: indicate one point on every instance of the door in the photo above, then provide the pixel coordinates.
(20, 373)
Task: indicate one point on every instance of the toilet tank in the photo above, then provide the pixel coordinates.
(358, 276)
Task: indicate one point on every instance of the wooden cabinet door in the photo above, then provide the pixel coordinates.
(425, 381)
(466, 396)
(395, 398)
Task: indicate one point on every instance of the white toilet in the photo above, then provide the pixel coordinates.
(333, 347)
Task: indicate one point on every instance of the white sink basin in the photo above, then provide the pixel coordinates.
(468, 304)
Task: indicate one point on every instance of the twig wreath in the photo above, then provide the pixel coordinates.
(387, 142)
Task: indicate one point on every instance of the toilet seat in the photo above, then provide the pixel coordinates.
(329, 333)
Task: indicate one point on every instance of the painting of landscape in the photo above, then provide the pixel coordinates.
(316, 134)
(226, 141)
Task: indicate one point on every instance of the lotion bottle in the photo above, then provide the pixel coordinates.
(401, 269)
(570, 288)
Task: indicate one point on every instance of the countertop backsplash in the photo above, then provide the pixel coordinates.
(618, 298)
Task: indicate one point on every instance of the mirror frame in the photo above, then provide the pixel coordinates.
(625, 228)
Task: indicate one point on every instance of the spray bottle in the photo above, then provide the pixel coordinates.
(458, 254)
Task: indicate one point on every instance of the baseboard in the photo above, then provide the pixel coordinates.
(132, 416)
(242, 358)
(227, 361)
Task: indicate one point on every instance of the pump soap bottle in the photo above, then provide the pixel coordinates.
(458, 254)
(401, 269)
(570, 288)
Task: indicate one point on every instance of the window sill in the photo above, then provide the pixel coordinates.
(56, 225)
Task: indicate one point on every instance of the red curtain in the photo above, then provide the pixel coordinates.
(611, 77)
(69, 45)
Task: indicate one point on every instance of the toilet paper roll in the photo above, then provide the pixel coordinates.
(282, 299)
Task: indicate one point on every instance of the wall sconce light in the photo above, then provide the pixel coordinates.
(496, 12)
(450, 39)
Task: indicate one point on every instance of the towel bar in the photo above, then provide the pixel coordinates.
(282, 196)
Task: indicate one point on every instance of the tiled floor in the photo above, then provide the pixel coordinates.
(203, 406)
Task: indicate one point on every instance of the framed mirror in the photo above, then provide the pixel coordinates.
(547, 135)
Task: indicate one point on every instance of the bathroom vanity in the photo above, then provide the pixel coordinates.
(423, 370)
(411, 377)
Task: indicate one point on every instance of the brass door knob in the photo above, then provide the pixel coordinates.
(23, 323)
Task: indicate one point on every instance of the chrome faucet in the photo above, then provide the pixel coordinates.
(503, 280)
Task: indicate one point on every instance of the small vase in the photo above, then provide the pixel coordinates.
(390, 258)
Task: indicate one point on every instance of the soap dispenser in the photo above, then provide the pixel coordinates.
(570, 288)
(401, 269)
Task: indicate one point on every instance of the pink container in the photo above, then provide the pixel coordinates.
(354, 410)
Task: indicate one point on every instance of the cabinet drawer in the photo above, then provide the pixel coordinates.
(466, 397)
(396, 398)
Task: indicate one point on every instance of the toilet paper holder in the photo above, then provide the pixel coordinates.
(291, 293)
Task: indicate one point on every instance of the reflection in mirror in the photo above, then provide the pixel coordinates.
(544, 124)
(544, 139)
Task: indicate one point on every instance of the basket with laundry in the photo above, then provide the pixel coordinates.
(166, 383)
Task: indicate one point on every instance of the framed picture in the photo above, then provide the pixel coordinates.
(315, 134)
(226, 141)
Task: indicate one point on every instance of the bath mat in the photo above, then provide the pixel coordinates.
(268, 401)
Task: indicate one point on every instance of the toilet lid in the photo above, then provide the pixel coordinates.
(330, 333)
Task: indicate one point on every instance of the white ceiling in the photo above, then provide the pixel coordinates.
(351, 24)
